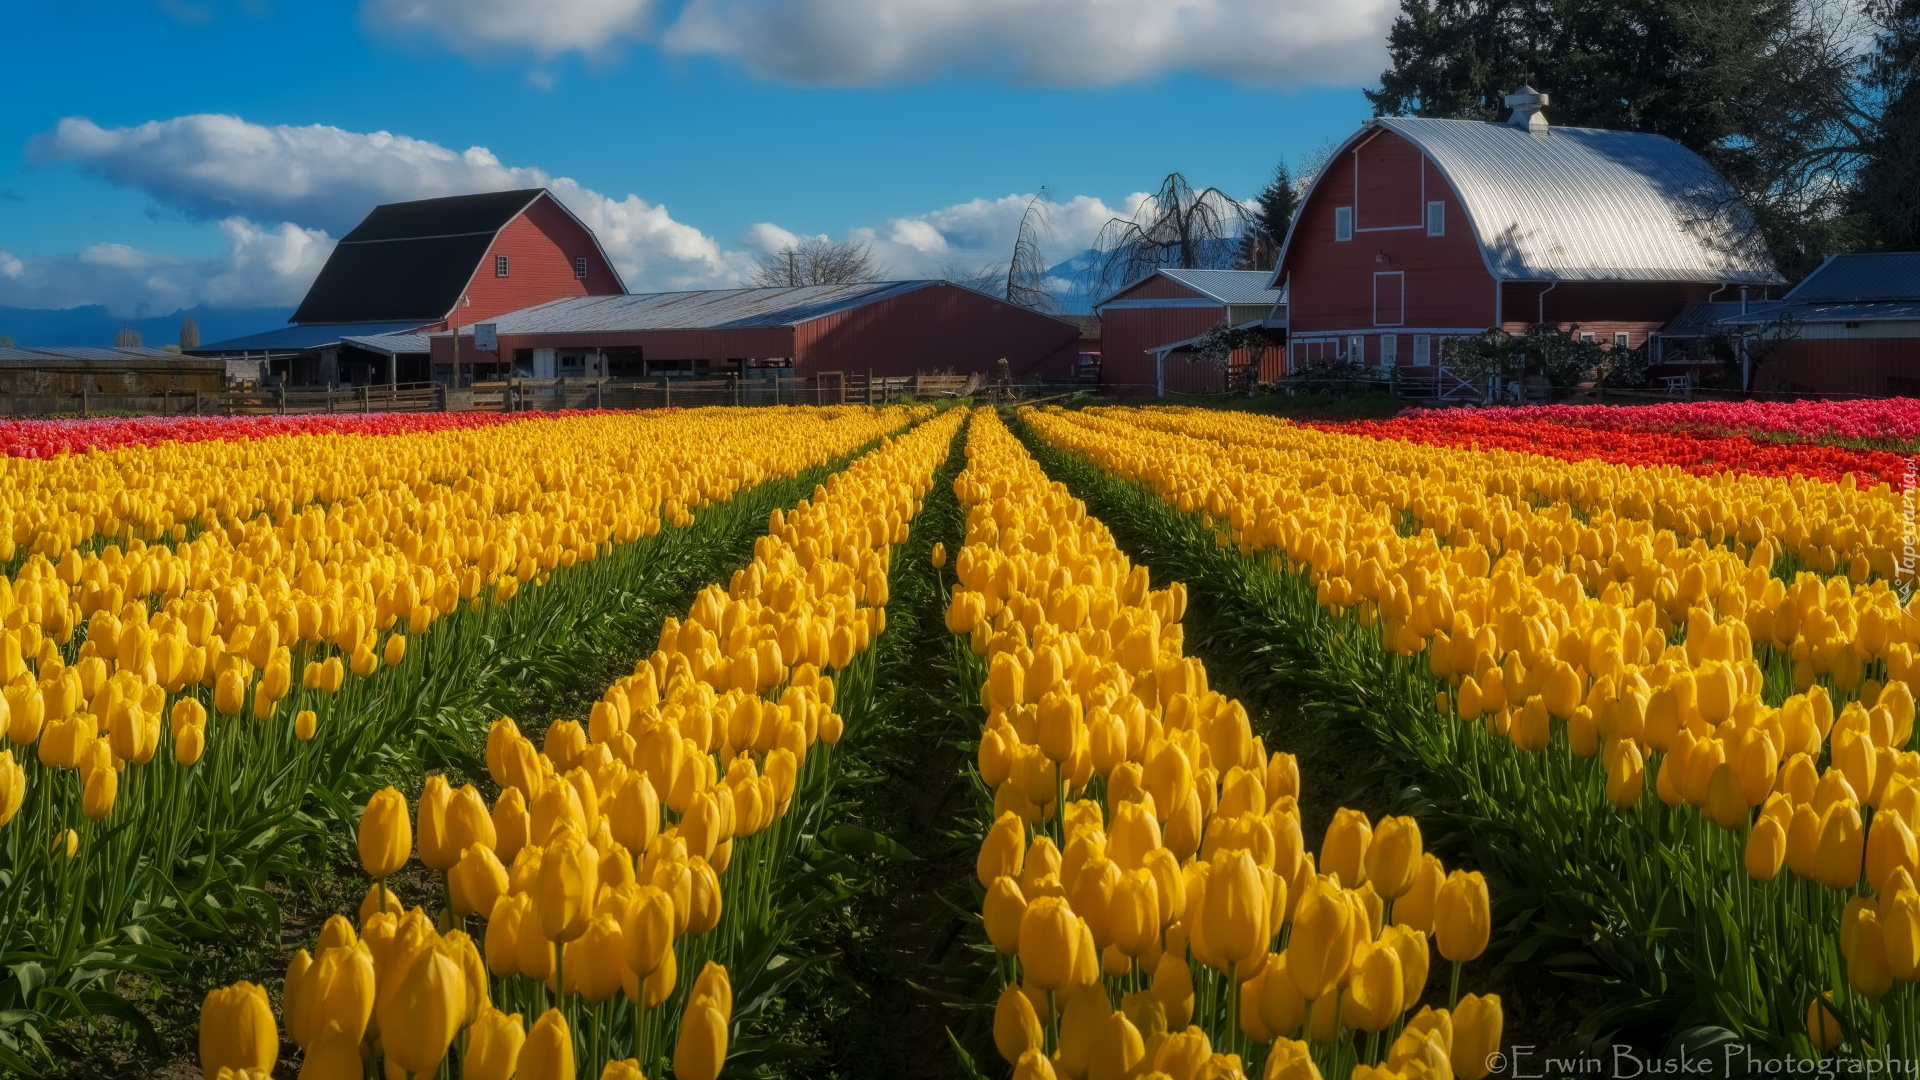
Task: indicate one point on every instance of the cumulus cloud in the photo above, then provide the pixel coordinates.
(260, 267)
(871, 42)
(318, 181)
(1043, 42)
(327, 178)
(547, 29)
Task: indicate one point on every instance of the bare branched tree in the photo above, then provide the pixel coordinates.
(127, 338)
(1178, 228)
(816, 260)
(1027, 270)
(985, 278)
(189, 334)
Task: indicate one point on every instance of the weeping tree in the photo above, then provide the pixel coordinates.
(1177, 228)
(1027, 270)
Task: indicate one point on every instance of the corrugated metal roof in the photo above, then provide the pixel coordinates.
(1707, 319)
(710, 309)
(141, 354)
(1224, 286)
(391, 344)
(1230, 286)
(1876, 275)
(1875, 311)
(297, 338)
(1584, 204)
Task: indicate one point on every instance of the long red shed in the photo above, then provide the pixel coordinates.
(888, 328)
(1420, 231)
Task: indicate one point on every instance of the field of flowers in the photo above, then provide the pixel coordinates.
(1095, 744)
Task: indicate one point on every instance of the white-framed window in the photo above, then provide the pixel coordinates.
(1436, 219)
(1422, 350)
(1343, 223)
(580, 267)
(1389, 350)
(1586, 337)
(1356, 349)
(1620, 340)
(499, 266)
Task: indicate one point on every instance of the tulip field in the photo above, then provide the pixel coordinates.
(1053, 743)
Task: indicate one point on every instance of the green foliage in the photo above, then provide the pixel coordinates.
(1888, 197)
(1267, 226)
(1543, 351)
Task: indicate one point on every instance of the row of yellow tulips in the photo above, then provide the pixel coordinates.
(1146, 877)
(627, 847)
(1543, 646)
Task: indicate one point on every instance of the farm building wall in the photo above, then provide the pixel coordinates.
(1601, 308)
(655, 345)
(1128, 337)
(541, 245)
(113, 377)
(1872, 359)
(1390, 277)
(936, 329)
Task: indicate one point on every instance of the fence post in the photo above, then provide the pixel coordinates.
(196, 402)
(84, 409)
(281, 393)
(666, 392)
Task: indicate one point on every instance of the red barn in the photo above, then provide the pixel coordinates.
(888, 328)
(1142, 326)
(431, 265)
(1419, 231)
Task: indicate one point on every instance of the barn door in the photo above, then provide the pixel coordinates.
(1390, 298)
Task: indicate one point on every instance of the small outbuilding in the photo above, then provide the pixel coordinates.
(1852, 327)
(1148, 328)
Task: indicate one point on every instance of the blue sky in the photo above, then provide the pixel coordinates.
(158, 153)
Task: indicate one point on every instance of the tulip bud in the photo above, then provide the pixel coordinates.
(1235, 921)
(1461, 920)
(102, 787)
(1476, 1035)
(237, 1031)
(1321, 945)
(1001, 912)
(547, 1053)
(1049, 940)
(476, 882)
(1173, 987)
(1016, 1027)
(420, 1010)
(1118, 1053)
(13, 786)
(493, 1046)
(431, 816)
(1344, 851)
(563, 895)
(1290, 1059)
(1374, 997)
(1393, 856)
(1003, 851)
(386, 836)
(1868, 971)
(702, 1047)
(305, 724)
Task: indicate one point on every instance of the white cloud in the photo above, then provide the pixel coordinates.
(318, 181)
(1045, 42)
(548, 28)
(261, 267)
(323, 177)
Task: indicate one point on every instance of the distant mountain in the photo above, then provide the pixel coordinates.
(95, 325)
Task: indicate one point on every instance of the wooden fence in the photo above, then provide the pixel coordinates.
(514, 395)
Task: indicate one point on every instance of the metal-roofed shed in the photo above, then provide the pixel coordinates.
(890, 328)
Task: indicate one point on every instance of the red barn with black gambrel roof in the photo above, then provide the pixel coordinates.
(1419, 231)
(457, 261)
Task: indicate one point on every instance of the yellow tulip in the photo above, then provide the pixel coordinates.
(1049, 940)
(1321, 946)
(420, 1011)
(1343, 853)
(436, 850)
(1290, 1059)
(1766, 849)
(1461, 920)
(1001, 913)
(1016, 1027)
(1823, 1024)
(102, 787)
(1477, 1021)
(476, 882)
(1393, 856)
(493, 1046)
(237, 1030)
(702, 1047)
(569, 876)
(547, 1053)
(386, 836)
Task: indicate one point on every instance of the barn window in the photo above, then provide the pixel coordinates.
(1422, 351)
(1390, 298)
(580, 267)
(1343, 223)
(1586, 337)
(1620, 340)
(499, 266)
(1356, 350)
(1389, 351)
(1436, 219)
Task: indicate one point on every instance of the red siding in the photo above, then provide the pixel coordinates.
(1874, 366)
(1600, 308)
(1128, 334)
(934, 329)
(541, 245)
(1445, 279)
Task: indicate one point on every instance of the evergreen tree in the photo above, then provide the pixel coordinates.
(1267, 225)
(1888, 198)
